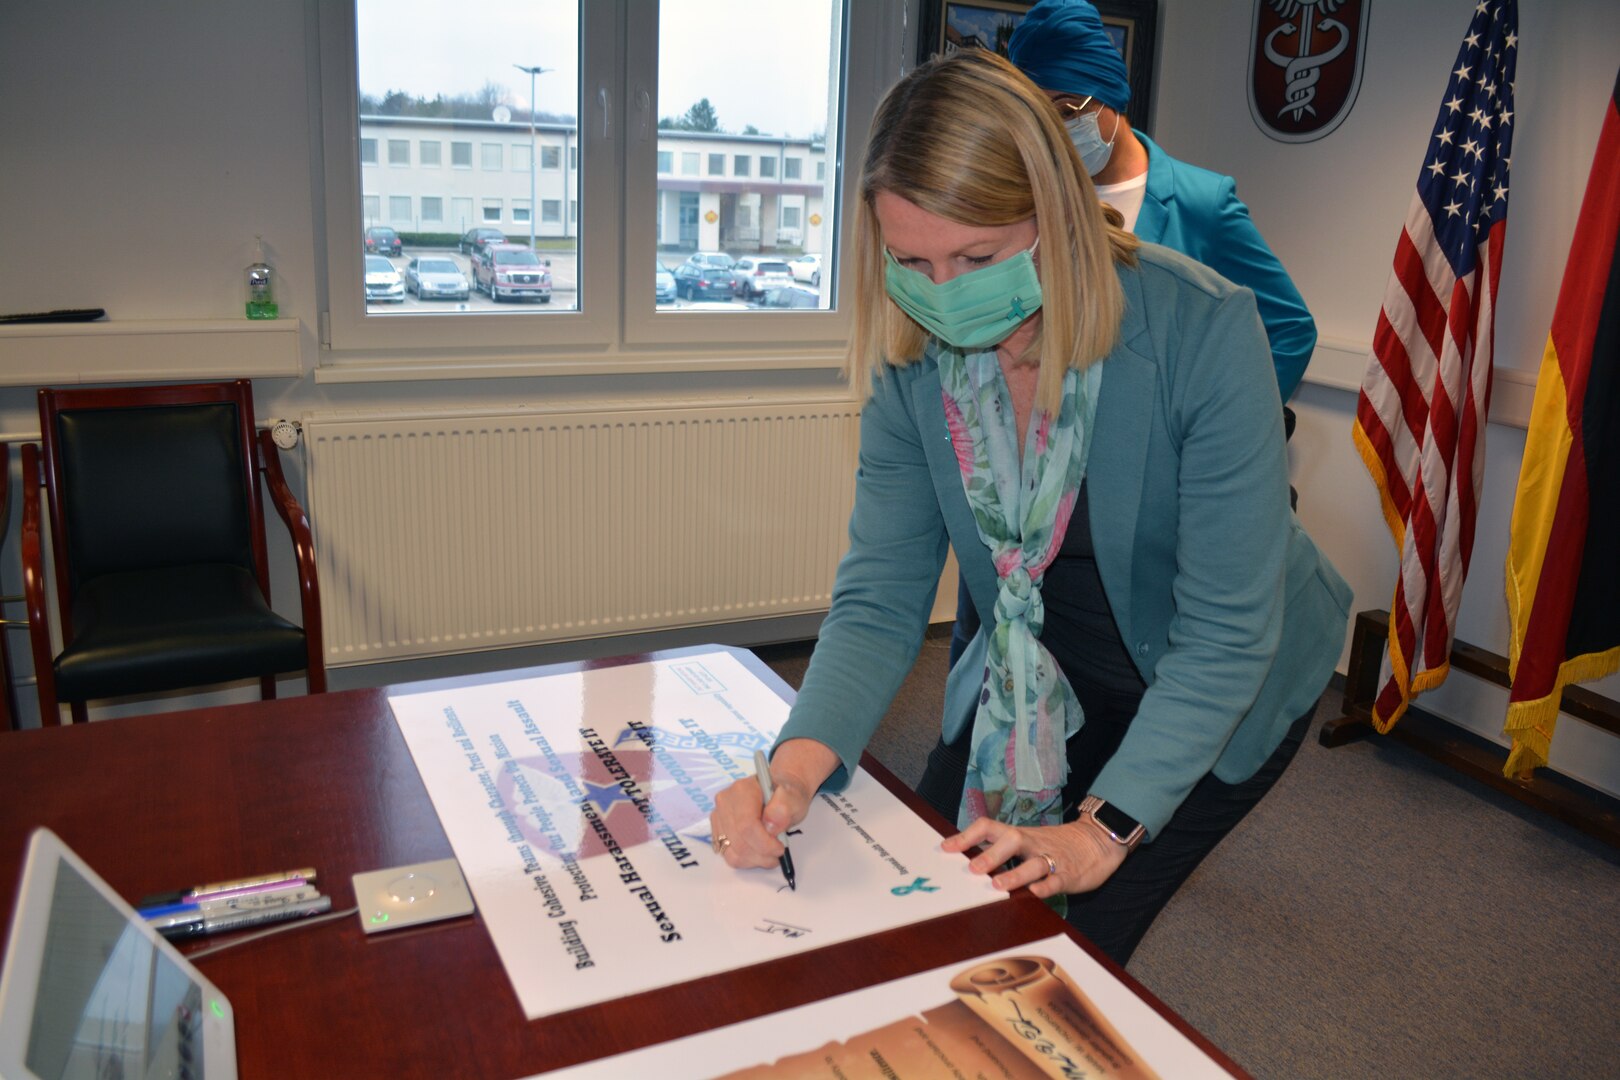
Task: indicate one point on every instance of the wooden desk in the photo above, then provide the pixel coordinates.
(327, 781)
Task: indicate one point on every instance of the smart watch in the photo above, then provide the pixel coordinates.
(1123, 829)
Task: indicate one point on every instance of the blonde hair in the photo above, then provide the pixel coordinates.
(970, 139)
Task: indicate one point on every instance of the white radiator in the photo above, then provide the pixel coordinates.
(450, 534)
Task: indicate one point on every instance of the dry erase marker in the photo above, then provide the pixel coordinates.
(762, 766)
(203, 925)
(280, 876)
(246, 900)
(228, 888)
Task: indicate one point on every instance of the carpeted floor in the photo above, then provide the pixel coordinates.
(1376, 915)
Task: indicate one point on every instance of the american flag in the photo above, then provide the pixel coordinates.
(1420, 419)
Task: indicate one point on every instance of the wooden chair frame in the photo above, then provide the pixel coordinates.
(260, 459)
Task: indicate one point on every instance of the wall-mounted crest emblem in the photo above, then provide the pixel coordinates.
(1305, 65)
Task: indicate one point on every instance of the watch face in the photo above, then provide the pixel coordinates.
(1118, 821)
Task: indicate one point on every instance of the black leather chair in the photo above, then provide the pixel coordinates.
(8, 700)
(158, 543)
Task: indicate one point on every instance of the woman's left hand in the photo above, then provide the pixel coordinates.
(1072, 858)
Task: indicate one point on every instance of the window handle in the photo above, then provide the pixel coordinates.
(607, 109)
(644, 103)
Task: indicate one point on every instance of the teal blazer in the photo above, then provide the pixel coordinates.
(1234, 618)
(1198, 213)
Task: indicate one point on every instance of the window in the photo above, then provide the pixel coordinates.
(399, 152)
(790, 217)
(790, 168)
(368, 151)
(608, 77)
(821, 171)
(371, 208)
(399, 209)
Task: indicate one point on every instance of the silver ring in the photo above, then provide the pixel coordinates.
(1051, 866)
(720, 842)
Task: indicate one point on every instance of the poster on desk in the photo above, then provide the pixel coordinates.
(1046, 1011)
(578, 806)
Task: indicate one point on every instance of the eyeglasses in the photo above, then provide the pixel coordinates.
(1070, 107)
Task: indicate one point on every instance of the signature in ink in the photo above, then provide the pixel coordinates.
(771, 926)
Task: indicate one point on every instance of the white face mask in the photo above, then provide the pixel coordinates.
(1086, 134)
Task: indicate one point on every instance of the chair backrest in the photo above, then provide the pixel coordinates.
(149, 477)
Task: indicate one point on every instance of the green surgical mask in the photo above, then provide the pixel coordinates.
(972, 311)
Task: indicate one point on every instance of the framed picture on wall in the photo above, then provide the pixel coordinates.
(947, 26)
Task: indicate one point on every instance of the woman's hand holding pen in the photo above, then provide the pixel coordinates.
(745, 828)
(1072, 858)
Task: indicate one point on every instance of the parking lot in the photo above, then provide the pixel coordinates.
(564, 286)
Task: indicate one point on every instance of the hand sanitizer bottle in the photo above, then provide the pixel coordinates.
(261, 299)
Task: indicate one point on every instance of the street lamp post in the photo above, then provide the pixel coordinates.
(534, 150)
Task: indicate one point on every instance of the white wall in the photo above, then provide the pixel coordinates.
(1332, 210)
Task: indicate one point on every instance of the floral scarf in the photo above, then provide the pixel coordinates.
(1027, 711)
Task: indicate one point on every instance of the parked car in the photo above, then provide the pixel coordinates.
(752, 276)
(791, 296)
(664, 288)
(436, 276)
(806, 268)
(383, 281)
(474, 240)
(706, 275)
(381, 240)
(511, 272)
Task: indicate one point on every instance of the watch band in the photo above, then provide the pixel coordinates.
(1123, 829)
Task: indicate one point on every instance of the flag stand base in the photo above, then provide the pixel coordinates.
(1587, 809)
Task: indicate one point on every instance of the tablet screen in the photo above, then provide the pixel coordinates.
(109, 1003)
(90, 992)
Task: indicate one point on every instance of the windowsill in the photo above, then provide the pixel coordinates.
(158, 350)
(521, 366)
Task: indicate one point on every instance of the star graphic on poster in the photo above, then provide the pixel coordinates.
(604, 795)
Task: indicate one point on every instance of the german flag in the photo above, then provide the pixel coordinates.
(1564, 608)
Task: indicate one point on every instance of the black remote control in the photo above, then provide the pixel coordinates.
(88, 314)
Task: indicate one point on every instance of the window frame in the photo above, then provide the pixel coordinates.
(617, 322)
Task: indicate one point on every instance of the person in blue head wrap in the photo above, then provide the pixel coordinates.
(1063, 48)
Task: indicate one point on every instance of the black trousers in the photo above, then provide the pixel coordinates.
(1117, 915)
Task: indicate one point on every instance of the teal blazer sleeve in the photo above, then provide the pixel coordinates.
(884, 591)
(1198, 213)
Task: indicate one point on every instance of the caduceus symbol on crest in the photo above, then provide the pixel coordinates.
(1302, 71)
